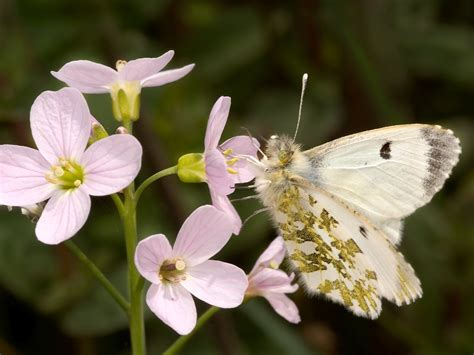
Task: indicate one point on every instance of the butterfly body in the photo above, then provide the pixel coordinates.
(340, 207)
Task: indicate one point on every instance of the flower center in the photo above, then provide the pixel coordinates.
(173, 270)
(67, 175)
(230, 161)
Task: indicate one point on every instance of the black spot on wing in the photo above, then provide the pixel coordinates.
(363, 231)
(386, 150)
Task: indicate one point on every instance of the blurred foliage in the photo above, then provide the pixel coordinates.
(371, 63)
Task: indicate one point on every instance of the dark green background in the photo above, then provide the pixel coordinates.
(371, 63)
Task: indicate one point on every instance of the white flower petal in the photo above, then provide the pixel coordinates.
(140, 69)
(166, 76)
(275, 252)
(86, 76)
(174, 305)
(217, 283)
(111, 164)
(241, 146)
(150, 254)
(216, 123)
(271, 280)
(284, 306)
(218, 178)
(22, 176)
(63, 216)
(222, 203)
(61, 124)
(202, 235)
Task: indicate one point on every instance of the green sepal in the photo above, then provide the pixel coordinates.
(192, 168)
(126, 101)
(98, 133)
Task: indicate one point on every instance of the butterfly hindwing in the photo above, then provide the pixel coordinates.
(385, 173)
(340, 254)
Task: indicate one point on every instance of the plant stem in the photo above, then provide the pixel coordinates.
(119, 204)
(136, 321)
(182, 340)
(128, 125)
(94, 270)
(153, 178)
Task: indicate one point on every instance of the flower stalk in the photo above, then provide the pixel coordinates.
(162, 173)
(94, 270)
(136, 320)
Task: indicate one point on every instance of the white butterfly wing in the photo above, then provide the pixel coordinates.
(341, 254)
(385, 173)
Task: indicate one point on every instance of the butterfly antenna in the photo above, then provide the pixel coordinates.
(303, 87)
(253, 143)
(252, 197)
(257, 212)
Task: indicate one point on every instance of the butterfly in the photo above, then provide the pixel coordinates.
(340, 208)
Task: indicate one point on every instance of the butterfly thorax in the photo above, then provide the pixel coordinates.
(284, 165)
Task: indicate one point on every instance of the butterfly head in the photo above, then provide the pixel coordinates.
(280, 151)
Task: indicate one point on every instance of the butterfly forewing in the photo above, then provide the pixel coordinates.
(386, 173)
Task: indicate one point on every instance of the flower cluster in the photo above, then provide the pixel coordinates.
(76, 158)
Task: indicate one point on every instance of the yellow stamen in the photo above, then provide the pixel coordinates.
(232, 171)
(180, 265)
(77, 183)
(58, 171)
(232, 161)
(227, 152)
(273, 264)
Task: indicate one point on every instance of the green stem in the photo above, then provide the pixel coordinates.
(182, 340)
(119, 204)
(94, 270)
(135, 286)
(153, 178)
(128, 125)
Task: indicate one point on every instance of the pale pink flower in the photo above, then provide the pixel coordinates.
(179, 271)
(94, 78)
(124, 84)
(222, 203)
(62, 169)
(225, 163)
(268, 281)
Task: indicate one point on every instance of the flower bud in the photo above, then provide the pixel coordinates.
(192, 168)
(97, 133)
(33, 212)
